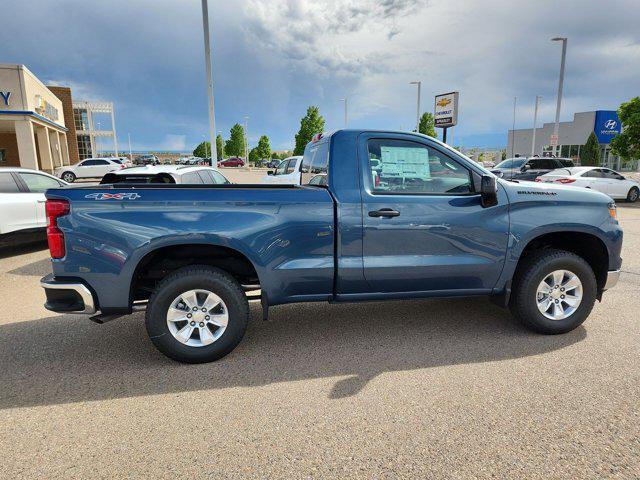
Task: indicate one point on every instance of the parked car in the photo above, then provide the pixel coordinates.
(89, 168)
(523, 168)
(601, 179)
(22, 201)
(147, 160)
(382, 228)
(273, 163)
(287, 172)
(231, 162)
(194, 175)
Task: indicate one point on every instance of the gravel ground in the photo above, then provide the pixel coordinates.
(416, 389)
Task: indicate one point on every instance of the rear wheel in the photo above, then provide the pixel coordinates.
(197, 314)
(553, 291)
(69, 177)
(633, 195)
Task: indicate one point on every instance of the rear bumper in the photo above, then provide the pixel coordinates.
(67, 296)
(612, 279)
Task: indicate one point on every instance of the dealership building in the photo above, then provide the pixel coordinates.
(571, 137)
(42, 128)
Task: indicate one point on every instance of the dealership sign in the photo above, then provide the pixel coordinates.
(607, 125)
(446, 110)
(5, 97)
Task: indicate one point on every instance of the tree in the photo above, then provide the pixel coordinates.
(235, 145)
(590, 152)
(427, 125)
(203, 150)
(503, 155)
(254, 155)
(627, 143)
(220, 147)
(311, 124)
(263, 148)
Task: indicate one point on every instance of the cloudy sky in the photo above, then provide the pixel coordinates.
(273, 58)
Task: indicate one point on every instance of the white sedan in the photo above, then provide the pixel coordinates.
(22, 201)
(601, 179)
(89, 168)
(287, 173)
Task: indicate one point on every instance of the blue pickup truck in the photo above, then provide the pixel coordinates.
(379, 215)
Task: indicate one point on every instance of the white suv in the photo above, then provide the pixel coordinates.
(89, 168)
(22, 199)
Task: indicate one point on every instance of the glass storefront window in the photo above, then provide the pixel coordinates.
(574, 151)
(564, 151)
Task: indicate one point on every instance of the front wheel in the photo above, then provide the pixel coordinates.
(553, 291)
(633, 195)
(69, 177)
(197, 314)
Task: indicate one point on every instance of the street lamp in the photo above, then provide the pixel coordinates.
(345, 111)
(207, 62)
(513, 128)
(535, 119)
(556, 126)
(246, 139)
(419, 84)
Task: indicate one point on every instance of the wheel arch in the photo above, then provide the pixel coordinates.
(159, 262)
(586, 245)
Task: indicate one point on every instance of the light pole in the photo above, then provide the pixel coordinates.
(98, 141)
(513, 128)
(556, 126)
(130, 154)
(207, 62)
(419, 84)
(535, 119)
(246, 139)
(345, 111)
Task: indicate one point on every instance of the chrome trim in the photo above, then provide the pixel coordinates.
(79, 288)
(612, 279)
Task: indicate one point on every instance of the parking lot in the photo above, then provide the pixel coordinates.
(417, 389)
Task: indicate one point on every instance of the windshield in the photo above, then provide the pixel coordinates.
(511, 163)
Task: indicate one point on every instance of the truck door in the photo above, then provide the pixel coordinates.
(424, 228)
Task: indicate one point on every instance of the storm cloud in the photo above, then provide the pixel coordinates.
(273, 58)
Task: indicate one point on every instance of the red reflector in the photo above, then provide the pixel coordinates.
(565, 180)
(55, 237)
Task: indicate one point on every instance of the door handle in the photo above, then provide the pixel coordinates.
(384, 212)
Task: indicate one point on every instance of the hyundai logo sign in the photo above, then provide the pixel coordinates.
(606, 125)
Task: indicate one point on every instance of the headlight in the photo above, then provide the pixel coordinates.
(613, 210)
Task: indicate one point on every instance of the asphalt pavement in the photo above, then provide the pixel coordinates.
(449, 388)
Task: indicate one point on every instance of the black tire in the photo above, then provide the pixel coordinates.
(68, 177)
(183, 280)
(523, 302)
(633, 194)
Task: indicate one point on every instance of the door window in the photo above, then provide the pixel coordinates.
(292, 166)
(206, 177)
(38, 183)
(315, 161)
(219, 178)
(612, 175)
(7, 183)
(595, 173)
(282, 167)
(406, 167)
(192, 178)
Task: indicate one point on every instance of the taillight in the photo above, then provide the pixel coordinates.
(538, 179)
(121, 166)
(566, 180)
(55, 209)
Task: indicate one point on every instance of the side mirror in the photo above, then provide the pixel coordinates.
(488, 191)
(270, 172)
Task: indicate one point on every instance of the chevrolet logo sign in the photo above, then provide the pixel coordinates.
(443, 102)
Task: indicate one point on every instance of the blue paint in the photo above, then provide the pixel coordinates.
(309, 244)
(607, 125)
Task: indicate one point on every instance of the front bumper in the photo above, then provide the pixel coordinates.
(612, 279)
(67, 296)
